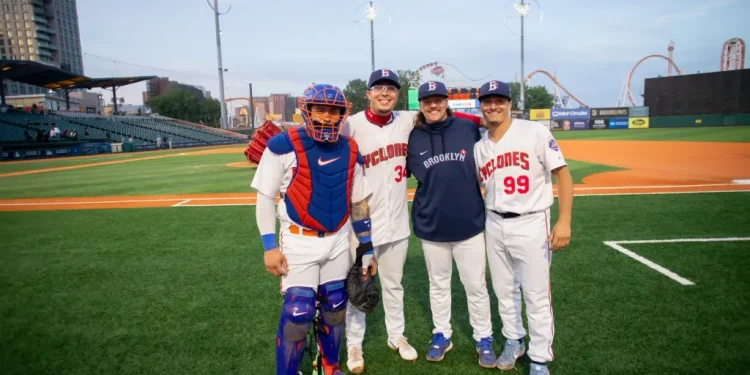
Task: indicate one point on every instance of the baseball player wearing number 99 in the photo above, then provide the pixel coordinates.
(320, 177)
(515, 162)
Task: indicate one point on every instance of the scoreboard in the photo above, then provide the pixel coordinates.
(463, 93)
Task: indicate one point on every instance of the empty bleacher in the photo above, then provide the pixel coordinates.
(143, 130)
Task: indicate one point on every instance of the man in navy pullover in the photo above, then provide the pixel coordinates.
(448, 216)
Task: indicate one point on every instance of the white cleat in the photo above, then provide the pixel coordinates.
(354, 360)
(407, 352)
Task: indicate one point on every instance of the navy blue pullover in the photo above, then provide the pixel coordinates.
(448, 204)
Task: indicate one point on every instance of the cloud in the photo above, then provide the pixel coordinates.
(698, 11)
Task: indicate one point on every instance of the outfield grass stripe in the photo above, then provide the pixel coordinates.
(678, 240)
(650, 264)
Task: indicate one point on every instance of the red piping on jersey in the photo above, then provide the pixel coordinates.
(301, 194)
(350, 180)
(377, 119)
(472, 118)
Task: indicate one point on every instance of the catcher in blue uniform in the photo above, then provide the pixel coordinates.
(320, 178)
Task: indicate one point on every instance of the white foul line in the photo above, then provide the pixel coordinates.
(650, 264)
(615, 245)
(181, 203)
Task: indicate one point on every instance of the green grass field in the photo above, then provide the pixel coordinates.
(183, 290)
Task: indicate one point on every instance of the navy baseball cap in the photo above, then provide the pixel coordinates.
(385, 76)
(494, 88)
(432, 88)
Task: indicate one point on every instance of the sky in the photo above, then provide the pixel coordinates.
(282, 46)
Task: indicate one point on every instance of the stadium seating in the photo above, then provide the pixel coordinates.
(143, 130)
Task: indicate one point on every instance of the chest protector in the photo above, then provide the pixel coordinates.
(319, 196)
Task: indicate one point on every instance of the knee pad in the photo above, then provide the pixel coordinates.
(297, 313)
(332, 296)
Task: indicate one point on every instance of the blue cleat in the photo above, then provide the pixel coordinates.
(513, 350)
(438, 346)
(538, 369)
(486, 354)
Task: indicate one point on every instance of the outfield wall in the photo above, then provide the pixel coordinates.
(564, 119)
(51, 150)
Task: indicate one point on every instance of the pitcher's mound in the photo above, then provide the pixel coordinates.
(243, 164)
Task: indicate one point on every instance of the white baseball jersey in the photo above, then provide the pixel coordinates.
(516, 171)
(274, 174)
(384, 150)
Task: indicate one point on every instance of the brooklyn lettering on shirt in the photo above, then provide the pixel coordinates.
(508, 159)
(448, 156)
(385, 153)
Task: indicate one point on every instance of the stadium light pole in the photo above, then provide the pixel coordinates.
(371, 16)
(215, 9)
(522, 9)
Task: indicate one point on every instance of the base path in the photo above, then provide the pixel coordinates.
(248, 199)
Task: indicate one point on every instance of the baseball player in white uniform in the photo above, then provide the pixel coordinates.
(515, 162)
(382, 136)
(321, 180)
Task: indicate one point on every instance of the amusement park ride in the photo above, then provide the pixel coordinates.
(732, 58)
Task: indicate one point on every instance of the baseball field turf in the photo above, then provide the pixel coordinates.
(151, 263)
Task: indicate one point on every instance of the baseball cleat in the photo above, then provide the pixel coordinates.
(438, 346)
(485, 353)
(513, 350)
(354, 360)
(407, 352)
(538, 369)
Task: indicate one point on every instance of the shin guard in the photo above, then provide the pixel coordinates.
(297, 313)
(332, 297)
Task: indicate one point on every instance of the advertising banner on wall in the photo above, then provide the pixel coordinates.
(539, 114)
(638, 112)
(600, 123)
(579, 124)
(618, 123)
(638, 123)
(559, 125)
(569, 113)
(609, 112)
(463, 104)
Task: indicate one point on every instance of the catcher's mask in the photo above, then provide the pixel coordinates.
(324, 109)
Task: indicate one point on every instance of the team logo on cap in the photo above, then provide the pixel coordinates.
(493, 85)
(431, 86)
(385, 72)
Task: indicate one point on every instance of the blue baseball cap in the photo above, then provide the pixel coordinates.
(432, 88)
(494, 88)
(383, 76)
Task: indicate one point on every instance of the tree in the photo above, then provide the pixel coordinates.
(405, 78)
(187, 106)
(536, 96)
(355, 93)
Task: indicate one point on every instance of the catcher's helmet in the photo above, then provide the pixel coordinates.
(324, 127)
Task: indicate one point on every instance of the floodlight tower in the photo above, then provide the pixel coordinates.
(522, 9)
(370, 14)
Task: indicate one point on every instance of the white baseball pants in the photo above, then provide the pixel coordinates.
(470, 256)
(391, 258)
(519, 256)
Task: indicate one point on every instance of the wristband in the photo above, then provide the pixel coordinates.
(362, 225)
(269, 241)
(363, 239)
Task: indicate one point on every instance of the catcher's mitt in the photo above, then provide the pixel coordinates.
(258, 141)
(363, 294)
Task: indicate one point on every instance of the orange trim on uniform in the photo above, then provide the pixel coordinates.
(307, 232)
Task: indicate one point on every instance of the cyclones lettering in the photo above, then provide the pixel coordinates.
(385, 153)
(508, 159)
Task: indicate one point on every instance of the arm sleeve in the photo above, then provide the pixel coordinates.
(360, 187)
(265, 214)
(550, 154)
(268, 175)
(475, 119)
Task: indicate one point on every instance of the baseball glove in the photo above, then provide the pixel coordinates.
(258, 141)
(362, 291)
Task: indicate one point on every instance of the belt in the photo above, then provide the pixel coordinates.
(307, 232)
(512, 215)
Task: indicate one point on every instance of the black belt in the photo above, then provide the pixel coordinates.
(507, 215)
